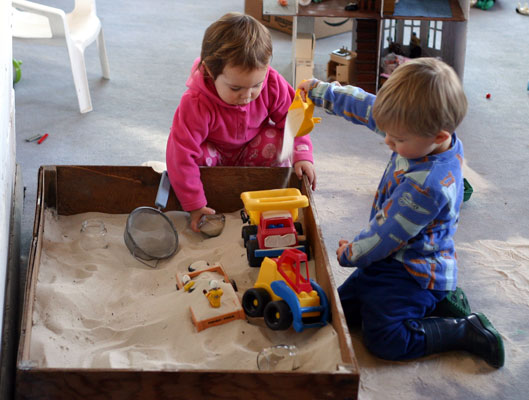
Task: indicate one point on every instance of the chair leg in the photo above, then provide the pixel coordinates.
(105, 68)
(79, 77)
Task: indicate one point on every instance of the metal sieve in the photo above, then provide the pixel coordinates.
(149, 234)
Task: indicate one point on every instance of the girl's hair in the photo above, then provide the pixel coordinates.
(238, 40)
(424, 96)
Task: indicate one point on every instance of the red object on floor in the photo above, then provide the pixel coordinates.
(488, 96)
(42, 139)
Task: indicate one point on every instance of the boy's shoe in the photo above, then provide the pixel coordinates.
(455, 304)
(485, 4)
(473, 333)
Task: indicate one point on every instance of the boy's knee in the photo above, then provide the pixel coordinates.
(386, 349)
(395, 342)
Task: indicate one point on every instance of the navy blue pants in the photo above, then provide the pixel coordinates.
(382, 297)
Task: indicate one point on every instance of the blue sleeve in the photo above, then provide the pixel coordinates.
(401, 219)
(350, 102)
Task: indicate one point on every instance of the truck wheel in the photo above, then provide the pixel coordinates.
(247, 231)
(254, 302)
(299, 228)
(277, 315)
(251, 246)
(245, 218)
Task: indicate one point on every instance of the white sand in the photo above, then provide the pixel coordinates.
(103, 308)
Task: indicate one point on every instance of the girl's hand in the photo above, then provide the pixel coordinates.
(197, 214)
(342, 246)
(307, 168)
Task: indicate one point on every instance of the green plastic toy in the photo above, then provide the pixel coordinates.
(17, 71)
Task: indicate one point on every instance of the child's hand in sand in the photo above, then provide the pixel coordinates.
(342, 246)
(307, 168)
(197, 214)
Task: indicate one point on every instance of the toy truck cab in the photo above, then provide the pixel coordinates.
(276, 230)
(285, 295)
(272, 215)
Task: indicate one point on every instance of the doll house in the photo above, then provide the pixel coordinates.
(434, 28)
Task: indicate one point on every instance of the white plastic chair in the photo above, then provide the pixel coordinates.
(78, 29)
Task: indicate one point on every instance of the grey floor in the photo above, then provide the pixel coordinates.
(151, 47)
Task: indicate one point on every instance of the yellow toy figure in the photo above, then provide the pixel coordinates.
(188, 283)
(214, 294)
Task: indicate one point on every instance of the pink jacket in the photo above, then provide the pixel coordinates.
(202, 116)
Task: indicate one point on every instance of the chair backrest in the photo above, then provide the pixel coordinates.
(36, 21)
(85, 7)
(28, 25)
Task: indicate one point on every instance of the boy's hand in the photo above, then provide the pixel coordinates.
(305, 86)
(342, 247)
(307, 168)
(197, 214)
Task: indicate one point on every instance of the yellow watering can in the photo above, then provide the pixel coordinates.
(299, 122)
(308, 121)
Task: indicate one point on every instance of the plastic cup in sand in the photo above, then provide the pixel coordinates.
(282, 357)
(93, 235)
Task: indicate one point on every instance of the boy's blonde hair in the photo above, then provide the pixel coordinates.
(237, 40)
(424, 96)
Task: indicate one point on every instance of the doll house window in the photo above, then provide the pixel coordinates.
(390, 32)
(435, 34)
(410, 27)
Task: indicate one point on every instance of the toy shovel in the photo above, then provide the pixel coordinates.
(299, 122)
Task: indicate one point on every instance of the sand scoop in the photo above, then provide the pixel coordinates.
(149, 233)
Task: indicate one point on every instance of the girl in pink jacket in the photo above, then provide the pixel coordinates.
(233, 112)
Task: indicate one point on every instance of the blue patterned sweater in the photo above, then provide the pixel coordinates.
(416, 207)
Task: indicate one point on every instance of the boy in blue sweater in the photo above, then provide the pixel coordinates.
(405, 259)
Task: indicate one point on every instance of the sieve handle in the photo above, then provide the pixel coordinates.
(163, 191)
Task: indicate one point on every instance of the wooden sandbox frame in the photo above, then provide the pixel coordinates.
(119, 190)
